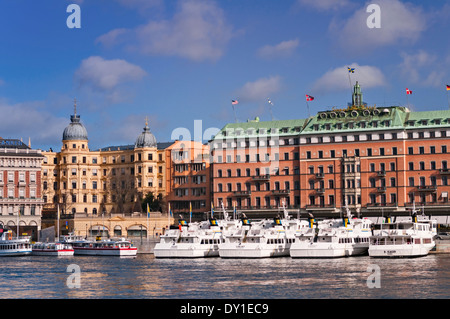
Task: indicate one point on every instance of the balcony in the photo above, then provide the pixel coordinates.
(381, 173)
(242, 193)
(320, 175)
(432, 188)
(444, 171)
(321, 207)
(261, 178)
(320, 190)
(381, 189)
(281, 192)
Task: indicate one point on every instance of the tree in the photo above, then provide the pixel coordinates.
(154, 203)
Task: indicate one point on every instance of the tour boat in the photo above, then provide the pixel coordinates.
(52, 249)
(262, 239)
(334, 238)
(122, 248)
(412, 238)
(10, 246)
(195, 240)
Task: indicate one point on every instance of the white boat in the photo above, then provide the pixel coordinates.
(195, 240)
(334, 238)
(123, 248)
(10, 246)
(262, 239)
(52, 249)
(412, 238)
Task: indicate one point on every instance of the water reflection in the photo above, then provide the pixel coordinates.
(147, 277)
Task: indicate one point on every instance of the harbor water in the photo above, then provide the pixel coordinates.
(144, 277)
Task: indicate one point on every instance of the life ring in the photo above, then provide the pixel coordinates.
(9, 236)
(366, 112)
(354, 113)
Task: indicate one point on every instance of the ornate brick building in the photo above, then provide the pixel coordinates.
(20, 187)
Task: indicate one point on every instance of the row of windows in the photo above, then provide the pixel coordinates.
(258, 158)
(11, 177)
(349, 168)
(112, 159)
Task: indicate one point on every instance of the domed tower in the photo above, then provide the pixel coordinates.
(75, 134)
(146, 139)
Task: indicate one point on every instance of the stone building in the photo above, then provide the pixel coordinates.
(20, 187)
(104, 183)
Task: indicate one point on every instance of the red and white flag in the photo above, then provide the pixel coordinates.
(234, 102)
(408, 91)
(309, 98)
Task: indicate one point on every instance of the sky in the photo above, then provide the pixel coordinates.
(179, 63)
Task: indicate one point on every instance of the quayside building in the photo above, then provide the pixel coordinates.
(375, 160)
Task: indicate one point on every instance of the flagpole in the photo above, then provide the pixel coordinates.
(18, 221)
(270, 107)
(234, 111)
(448, 100)
(147, 221)
(57, 235)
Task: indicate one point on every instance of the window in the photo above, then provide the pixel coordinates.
(308, 154)
(410, 150)
(369, 152)
(421, 150)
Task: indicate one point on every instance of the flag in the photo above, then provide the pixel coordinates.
(234, 102)
(190, 209)
(351, 70)
(148, 211)
(270, 102)
(448, 87)
(408, 91)
(170, 211)
(212, 210)
(309, 98)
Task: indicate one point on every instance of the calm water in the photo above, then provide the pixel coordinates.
(39, 277)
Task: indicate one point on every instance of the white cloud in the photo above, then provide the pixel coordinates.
(281, 49)
(30, 119)
(420, 68)
(259, 90)
(104, 75)
(324, 5)
(140, 4)
(112, 38)
(338, 78)
(197, 31)
(400, 23)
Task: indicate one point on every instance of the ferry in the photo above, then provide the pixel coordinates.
(262, 239)
(52, 249)
(10, 246)
(195, 240)
(122, 248)
(411, 238)
(334, 238)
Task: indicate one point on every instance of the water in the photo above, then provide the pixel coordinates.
(39, 277)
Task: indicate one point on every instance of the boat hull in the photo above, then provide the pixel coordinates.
(392, 251)
(253, 251)
(57, 253)
(105, 251)
(184, 251)
(315, 250)
(15, 252)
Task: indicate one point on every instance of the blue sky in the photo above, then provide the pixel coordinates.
(180, 61)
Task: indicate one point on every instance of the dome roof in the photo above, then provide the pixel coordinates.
(75, 130)
(146, 139)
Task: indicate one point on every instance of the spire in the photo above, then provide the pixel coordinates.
(75, 106)
(357, 98)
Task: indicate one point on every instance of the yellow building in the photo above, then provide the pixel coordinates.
(103, 183)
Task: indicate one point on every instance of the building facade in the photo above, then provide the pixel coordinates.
(375, 160)
(188, 177)
(20, 187)
(106, 182)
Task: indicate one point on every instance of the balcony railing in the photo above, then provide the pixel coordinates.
(320, 175)
(242, 193)
(381, 189)
(261, 177)
(444, 171)
(381, 173)
(431, 188)
(281, 192)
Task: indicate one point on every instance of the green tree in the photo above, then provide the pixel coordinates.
(154, 203)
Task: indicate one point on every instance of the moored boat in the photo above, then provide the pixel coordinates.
(334, 238)
(123, 248)
(411, 238)
(52, 249)
(10, 246)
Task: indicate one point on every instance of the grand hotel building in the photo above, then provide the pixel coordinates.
(375, 160)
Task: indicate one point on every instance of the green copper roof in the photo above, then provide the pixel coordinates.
(254, 129)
